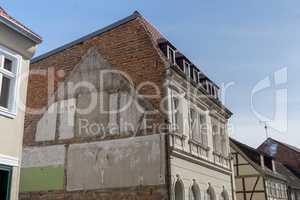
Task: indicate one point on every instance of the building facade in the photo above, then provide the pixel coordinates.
(289, 157)
(198, 147)
(128, 116)
(256, 177)
(17, 46)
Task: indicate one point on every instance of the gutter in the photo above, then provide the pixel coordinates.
(21, 30)
(87, 37)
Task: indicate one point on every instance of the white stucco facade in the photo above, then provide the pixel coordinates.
(199, 157)
(19, 49)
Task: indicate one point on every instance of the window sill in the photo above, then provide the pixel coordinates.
(207, 148)
(181, 136)
(6, 113)
(221, 155)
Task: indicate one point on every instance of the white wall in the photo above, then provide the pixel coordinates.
(189, 161)
(188, 171)
(11, 137)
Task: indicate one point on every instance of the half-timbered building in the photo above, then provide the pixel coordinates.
(256, 177)
(289, 157)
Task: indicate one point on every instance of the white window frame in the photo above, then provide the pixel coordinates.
(216, 136)
(195, 76)
(199, 134)
(205, 114)
(175, 112)
(194, 125)
(170, 49)
(11, 111)
(219, 139)
(224, 138)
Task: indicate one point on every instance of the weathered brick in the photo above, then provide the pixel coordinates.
(129, 48)
(137, 193)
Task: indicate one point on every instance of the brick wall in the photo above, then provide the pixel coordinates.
(128, 48)
(138, 193)
(283, 153)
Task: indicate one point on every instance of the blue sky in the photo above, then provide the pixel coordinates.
(233, 41)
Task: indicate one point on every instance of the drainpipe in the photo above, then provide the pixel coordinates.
(167, 138)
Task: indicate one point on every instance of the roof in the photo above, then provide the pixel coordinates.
(155, 35)
(254, 156)
(282, 152)
(18, 26)
(294, 181)
(87, 37)
(293, 148)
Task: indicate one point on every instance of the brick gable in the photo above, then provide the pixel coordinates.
(281, 152)
(128, 47)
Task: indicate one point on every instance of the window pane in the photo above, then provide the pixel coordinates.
(8, 64)
(193, 123)
(203, 129)
(171, 55)
(4, 184)
(4, 96)
(176, 111)
(187, 69)
(196, 76)
(192, 72)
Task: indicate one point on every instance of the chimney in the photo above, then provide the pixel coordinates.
(262, 161)
(273, 166)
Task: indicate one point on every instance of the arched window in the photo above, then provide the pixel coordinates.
(211, 195)
(224, 194)
(195, 191)
(179, 190)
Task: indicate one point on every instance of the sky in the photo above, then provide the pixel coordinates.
(251, 47)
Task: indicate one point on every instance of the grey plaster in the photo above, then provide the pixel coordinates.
(116, 163)
(67, 110)
(46, 127)
(43, 156)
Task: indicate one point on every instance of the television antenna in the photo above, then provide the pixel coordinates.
(266, 127)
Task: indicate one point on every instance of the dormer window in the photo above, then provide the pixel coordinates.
(192, 73)
(196, 76)
(213, 91)
(211, 88)
(186, 67)
(171, 54)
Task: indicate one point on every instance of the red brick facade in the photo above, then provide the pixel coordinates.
(130, 47)
(282, 152)
(146, 193)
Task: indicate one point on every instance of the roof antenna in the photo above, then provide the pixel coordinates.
(266, 127)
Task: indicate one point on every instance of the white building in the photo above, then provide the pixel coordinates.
(17, 46)
(198, 143)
